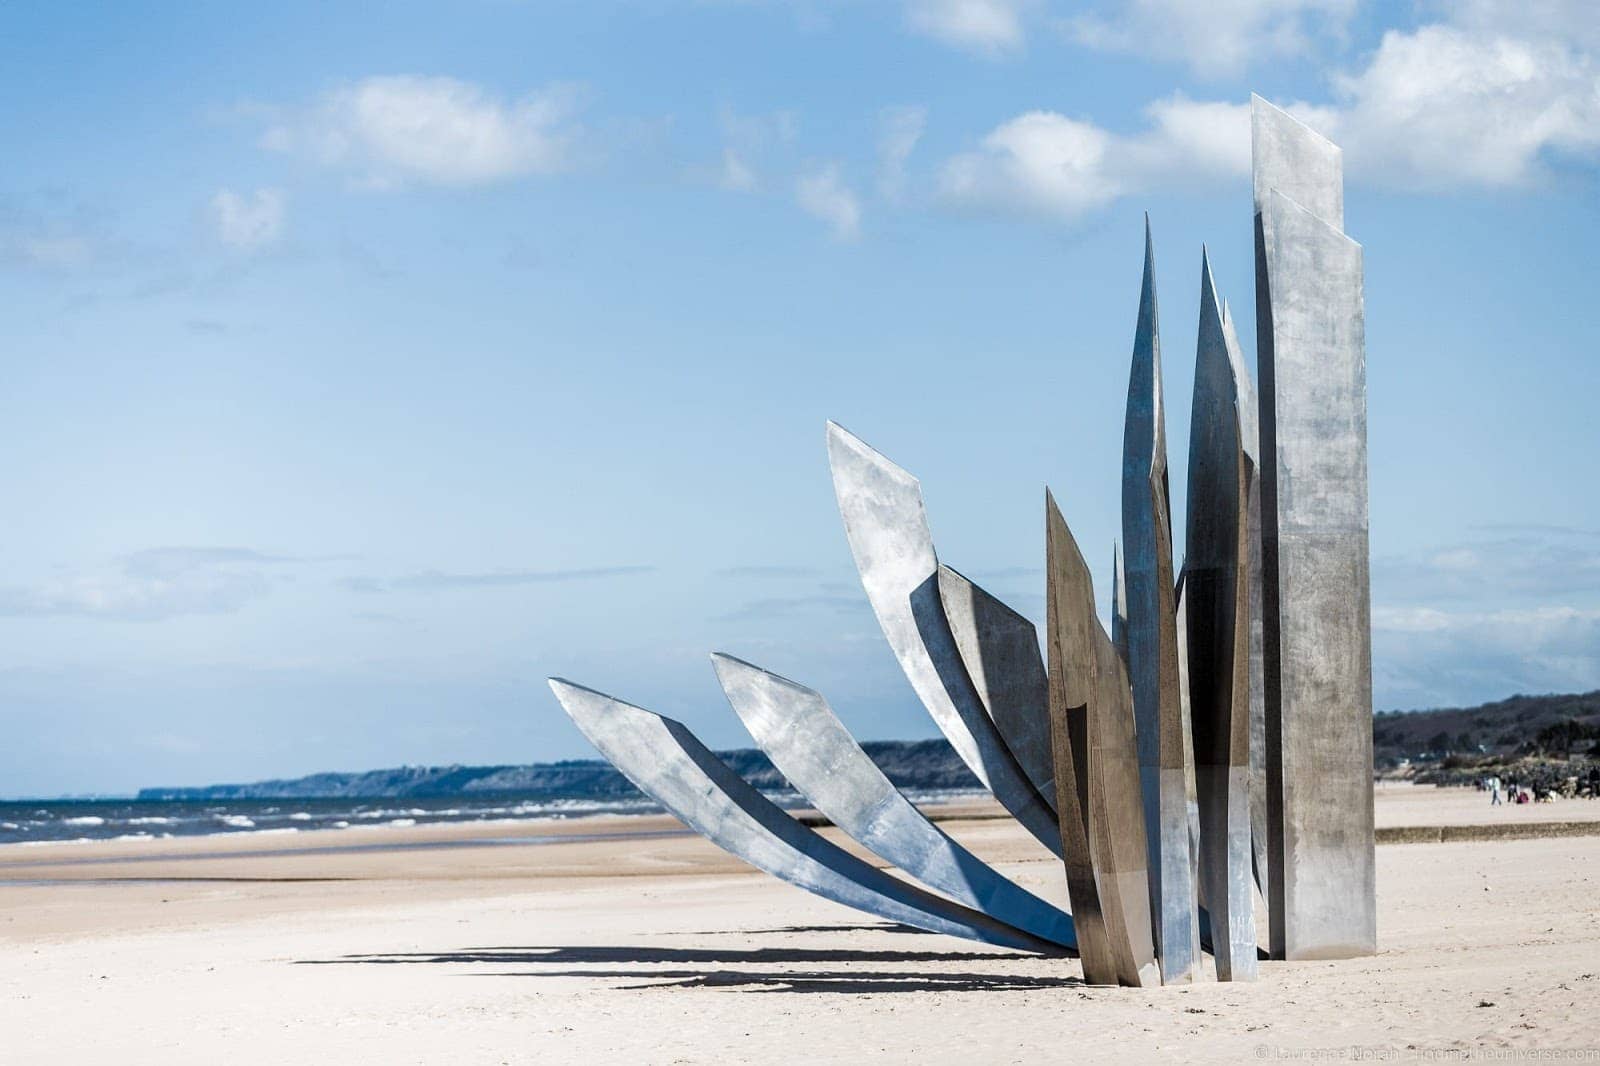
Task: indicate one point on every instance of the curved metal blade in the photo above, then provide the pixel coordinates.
(670, 765)
(810, 746)
(887, 527)
(1000, 650)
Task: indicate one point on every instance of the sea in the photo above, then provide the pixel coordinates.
(31, 822)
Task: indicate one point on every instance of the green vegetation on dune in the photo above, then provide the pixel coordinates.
(1521, 725)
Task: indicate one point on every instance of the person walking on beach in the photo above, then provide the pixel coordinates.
(1494, 792)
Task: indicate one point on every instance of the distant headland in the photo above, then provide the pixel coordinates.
(1439, 744)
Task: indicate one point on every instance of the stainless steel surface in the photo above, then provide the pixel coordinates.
(810, 746)
(1316, 592)
(1091, 713)
(665, 760)
(1298, 162)
(1216, 618)
(1073, 681)
(887, 526)
(1000, 649)
(1153, 646)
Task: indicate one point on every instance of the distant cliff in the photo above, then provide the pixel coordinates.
(917, 764)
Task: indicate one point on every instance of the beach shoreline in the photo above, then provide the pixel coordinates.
(629, 940)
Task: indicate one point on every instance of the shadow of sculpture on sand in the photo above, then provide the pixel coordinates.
(841, 982)
(865, 927)
(708, 968)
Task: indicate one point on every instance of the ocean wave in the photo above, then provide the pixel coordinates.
(943, 795)
(49, 843)
(397, 812)
(111, 820)
(566, 808)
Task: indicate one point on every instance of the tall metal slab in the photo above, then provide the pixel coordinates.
(812, 749)
(1117, 815)
(1000, 649)
(1316, 596)
(1097, 775)
(669, 764)
(1073, 681)
(1153, 646)
(1250, 440)
(887, 526)
(1293, 159)
(1217, 613)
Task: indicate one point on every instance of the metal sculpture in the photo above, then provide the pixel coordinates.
(1316, 599)
(666, 761)
(1000, 650)
(1153, 646)
(1097, 776)
(812, 749)
(1216, 622)
(1199, 929)
(1222, 729)
(887, 526)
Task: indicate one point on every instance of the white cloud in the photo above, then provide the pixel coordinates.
(1040, 161)
(1444, 106)
(150, 585)
(749, 133)
(1531, 567)
(248, 222)
(1566, 20)
(1046, 163)
(823, 194)
(736, 175)
(987, 27)
(1215, 38)
(899, 130)
(1463, 622)
(55, 234)
(1192, 139)
(1423, 656)
(53, 251)
(391, 130)
(1448, 106)
(750, 145)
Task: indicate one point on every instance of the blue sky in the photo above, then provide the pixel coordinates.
(362, 367)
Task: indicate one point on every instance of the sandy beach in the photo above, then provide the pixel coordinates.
(627, 940)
